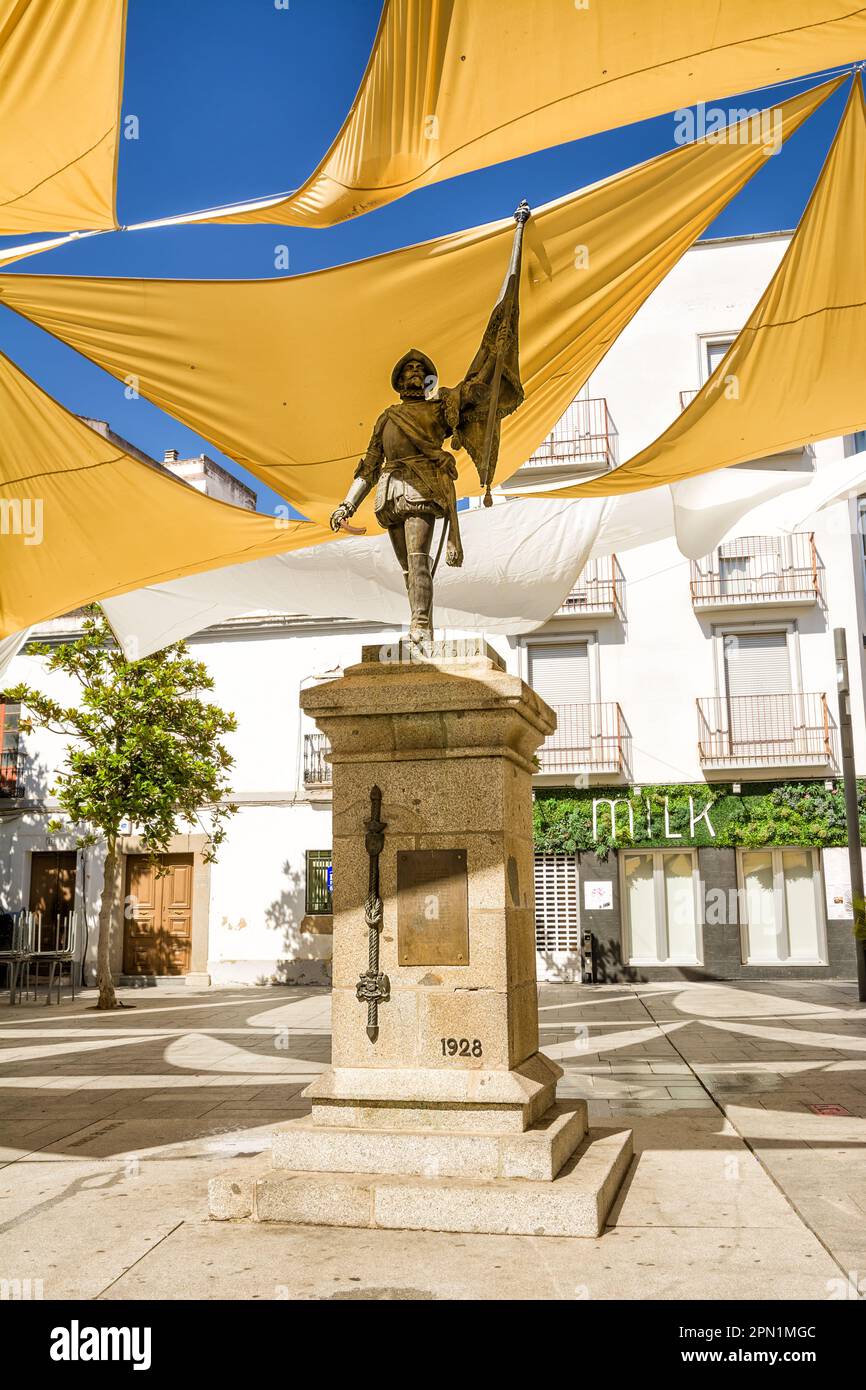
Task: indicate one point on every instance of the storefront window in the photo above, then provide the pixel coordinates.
(678, 870)
(783, 921)
(640, 899)
(660, 906)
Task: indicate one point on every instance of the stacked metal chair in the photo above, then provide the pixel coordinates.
(63, 954)
(18, 955)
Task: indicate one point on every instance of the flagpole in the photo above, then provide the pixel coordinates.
(521, 216)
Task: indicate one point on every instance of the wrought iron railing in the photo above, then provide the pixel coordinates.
(588, 738)
(10, 774)
(759, 569)
(584, 437)
(600, 589)
(772, 730)
(317, 768)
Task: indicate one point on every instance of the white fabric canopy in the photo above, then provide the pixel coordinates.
(834, 482)
(703, 512)
(522, 559)
(10, 647)
(700, 512)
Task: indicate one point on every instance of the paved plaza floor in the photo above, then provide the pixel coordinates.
(748, 1103)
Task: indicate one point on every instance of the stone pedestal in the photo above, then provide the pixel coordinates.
(447, 1118)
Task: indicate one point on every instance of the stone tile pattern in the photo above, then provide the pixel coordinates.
(111, 1126)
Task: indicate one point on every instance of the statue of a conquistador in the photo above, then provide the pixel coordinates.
(405, 460)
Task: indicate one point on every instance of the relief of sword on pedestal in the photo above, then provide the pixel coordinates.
(373, 988)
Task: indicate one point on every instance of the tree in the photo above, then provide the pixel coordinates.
(145, 748)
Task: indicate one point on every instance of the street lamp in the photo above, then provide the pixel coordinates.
(852, 810)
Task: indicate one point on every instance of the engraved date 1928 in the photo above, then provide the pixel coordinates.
(461, 1047)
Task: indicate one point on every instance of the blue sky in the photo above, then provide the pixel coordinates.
(239, 99)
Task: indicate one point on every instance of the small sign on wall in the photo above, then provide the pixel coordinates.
(839, 905)
(598, 897)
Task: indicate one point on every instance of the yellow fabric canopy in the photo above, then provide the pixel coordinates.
(456, 85)
(81, 520)
(61, 77)
(795, 373)
(289, 376)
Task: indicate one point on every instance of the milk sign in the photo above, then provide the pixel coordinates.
(651, 832)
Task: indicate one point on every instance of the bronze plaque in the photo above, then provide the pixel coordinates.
(432, 907)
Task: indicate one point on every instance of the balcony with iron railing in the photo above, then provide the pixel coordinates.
(599, 591)
(759, 570)
(760, 731)
(317, 766)
(10, 774)
(589, 738)
(583, 441)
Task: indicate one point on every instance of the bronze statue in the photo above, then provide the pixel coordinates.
(406, 463)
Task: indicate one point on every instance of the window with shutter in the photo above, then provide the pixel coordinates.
(757, 663)
(760, 703)
(560, 672)
(557, 911)
(715, 349)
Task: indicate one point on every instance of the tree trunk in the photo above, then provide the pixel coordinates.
(104, 983)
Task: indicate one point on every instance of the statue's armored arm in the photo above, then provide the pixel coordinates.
(353, 499)
(366, 476)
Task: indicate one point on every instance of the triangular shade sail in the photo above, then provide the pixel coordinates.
(456, 85)
(289, 376)
(79, 519)
(61, 77)
(795, 373)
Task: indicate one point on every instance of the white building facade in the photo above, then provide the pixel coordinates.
(696, 706)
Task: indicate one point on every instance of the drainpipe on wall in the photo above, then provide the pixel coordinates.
(852, 812)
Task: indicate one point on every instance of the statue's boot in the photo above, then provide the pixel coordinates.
(420, 586)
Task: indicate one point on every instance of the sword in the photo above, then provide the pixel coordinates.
(373, 988)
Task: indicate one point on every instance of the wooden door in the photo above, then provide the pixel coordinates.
(157, 934)
(52, 891)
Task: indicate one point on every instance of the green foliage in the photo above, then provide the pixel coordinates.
(146, 746)
(790, 813)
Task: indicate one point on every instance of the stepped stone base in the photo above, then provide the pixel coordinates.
(574, 1203)
(538, 1153)
(426, 1098)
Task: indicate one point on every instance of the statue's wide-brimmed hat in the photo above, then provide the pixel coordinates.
(413, 355)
